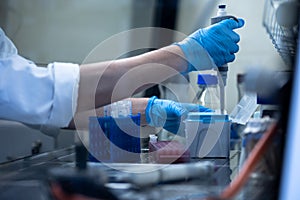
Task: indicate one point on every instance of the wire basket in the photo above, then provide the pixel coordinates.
(284, 38)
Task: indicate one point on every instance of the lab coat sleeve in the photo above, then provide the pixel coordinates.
(38, 95)
(66, 83)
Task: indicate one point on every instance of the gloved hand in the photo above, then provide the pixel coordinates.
(7, 48)
(219, 40)
(169, 114)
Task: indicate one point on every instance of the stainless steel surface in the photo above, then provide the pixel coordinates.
(17, 140)
(33, 171)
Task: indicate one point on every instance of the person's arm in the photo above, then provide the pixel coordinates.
(81, 119)
(35, 95)
(106, 82)
(52, 95)
(154, 112)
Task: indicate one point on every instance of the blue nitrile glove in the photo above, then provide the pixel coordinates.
(169, 114)
(219, 40)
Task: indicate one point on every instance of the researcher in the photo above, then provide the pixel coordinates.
(56, 94)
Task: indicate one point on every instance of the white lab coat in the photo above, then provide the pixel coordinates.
(36, 95)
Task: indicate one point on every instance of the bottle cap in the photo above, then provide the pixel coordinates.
(221, 10)
(222, 6)
(207, 79)
(153, 138)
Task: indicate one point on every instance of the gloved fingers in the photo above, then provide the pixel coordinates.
(190, 107)
(234, 48)
(232, 24)
(241, 22)
(235, 37)
(219, 40)
(222, 58)
(172, 126)
(226, 54)
(230, 58)
(161, 113)
(205, 109)
(155, 112)
(157, 116)
(174, 117)
(176, 114)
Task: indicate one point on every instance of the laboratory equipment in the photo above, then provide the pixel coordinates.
(18, 140)
(167, 152)
(272, 90)
(237, 128)
(116, 136)
(126, 181)
(243, 111)
(260, 162)
(255, 129)
(240, 85)
(115, 139)
(209, 93)
(198, 170)
(262, 87)
(81, 179)
(222, 15)
(208, 135)
(281, 22)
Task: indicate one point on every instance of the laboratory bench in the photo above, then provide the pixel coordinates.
(29, 177)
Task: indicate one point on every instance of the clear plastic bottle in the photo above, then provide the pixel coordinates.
(210, 96)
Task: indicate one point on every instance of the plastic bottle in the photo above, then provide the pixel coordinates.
(210, 97)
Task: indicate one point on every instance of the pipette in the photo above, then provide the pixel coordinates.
(222, 15)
